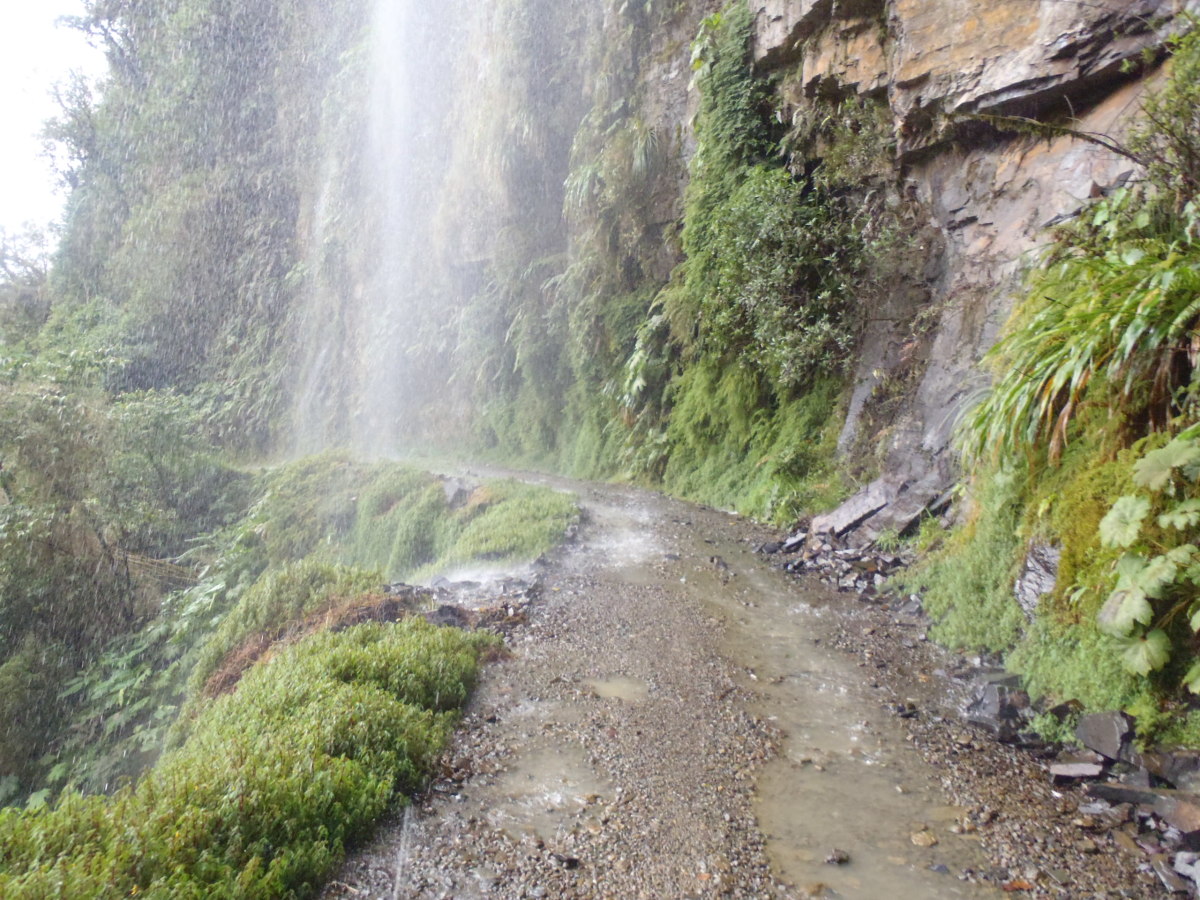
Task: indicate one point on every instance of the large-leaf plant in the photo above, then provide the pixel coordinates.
(1158, 577)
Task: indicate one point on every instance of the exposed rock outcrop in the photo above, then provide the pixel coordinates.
(984, 193)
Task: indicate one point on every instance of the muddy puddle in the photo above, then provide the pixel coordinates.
(845, 785)
(549, 789)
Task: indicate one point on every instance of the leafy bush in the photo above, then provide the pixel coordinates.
(774, 279)
(1159, 572)
(274, 780)
(100, 492)
(1118, 308)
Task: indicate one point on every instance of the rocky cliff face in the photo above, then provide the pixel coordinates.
(547, 102)
(985, 192)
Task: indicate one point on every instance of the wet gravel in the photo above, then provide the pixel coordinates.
(613, 753)
(619, 684)
(1038, 842)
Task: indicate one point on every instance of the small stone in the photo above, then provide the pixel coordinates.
(837, 857)
(1123, 840)
(1167, 875)
(924, 838)
(1075, 771)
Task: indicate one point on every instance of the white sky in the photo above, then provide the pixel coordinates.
(34, 55)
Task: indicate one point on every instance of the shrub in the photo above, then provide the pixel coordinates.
(273, 782)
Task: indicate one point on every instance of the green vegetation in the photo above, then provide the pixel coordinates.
(95, 490)
(764, 314)
(1096, 393)
(1159, 570)
(968, 581)
(323, 533)
(273, 781)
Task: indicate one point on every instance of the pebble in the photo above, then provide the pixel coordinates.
(924, 838)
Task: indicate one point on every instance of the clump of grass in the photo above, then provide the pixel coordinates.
(273, 782)
(511, 521)
(967, 584)
(396, 519)
(276, 600)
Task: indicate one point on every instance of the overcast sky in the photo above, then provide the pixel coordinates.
(34, 54)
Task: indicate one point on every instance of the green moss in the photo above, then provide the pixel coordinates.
(1074, 662)
(278, 599)
(273, 782)
(1080, 496)
(968, 582)
(732, 447)
(512, 521)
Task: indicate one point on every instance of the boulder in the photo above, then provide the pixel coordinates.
(457, 492)
(1180, 769)
(1063, 772)
(1109, 734)
(859, 508)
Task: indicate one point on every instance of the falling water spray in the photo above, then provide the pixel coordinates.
(359, 381)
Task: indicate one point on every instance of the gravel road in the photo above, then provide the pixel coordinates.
(678, 720)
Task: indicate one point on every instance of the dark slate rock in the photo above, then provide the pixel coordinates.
(913, 501)
(1161, 866)
(1120, 793)
(457, 492)
(1109, 734)
(1063, 772)
(452, 616)
(795, 543)
(859, 508)
(1180, 769)
(1037, 577)
(998, 709)
(1179, 810)
(1064, 711)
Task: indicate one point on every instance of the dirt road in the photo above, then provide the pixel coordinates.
(671, 724)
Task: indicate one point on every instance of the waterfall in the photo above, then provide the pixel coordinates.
(368, 259)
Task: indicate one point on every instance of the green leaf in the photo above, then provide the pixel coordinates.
(1154, 470)
(1124, 609)
(1183, 555)
(1129, 570)
(1184, 515)
(1147, 653)
(1192, 679)
(38, 799)
(1158, 574)
(1121, 526)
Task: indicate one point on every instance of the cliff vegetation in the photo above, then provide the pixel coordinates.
(633, 243)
